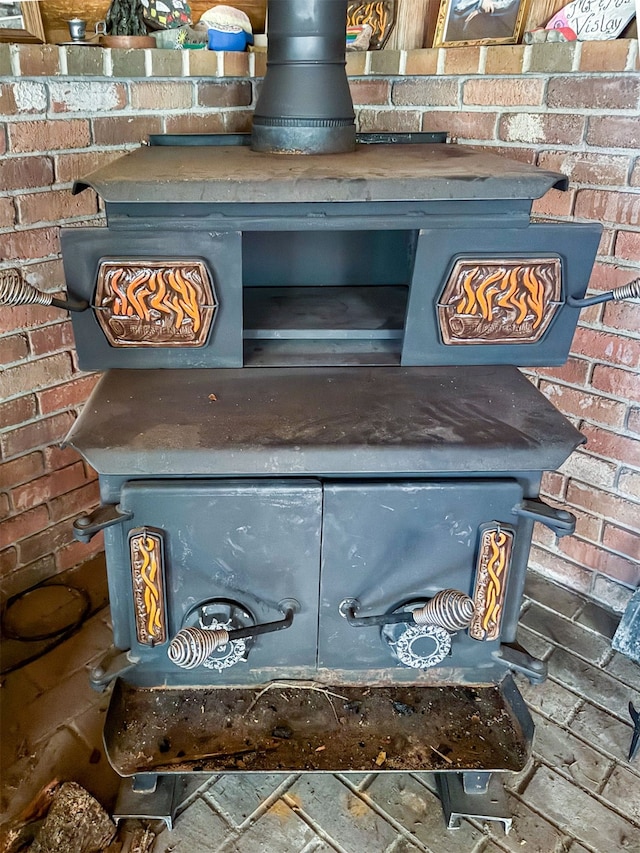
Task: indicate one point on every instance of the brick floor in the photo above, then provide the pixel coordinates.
(578, 794)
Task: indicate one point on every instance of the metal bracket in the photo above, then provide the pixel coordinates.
(147, 797)
(115, 663)
(518, 659)
(474, 795)
(562, 522)
(86, 527)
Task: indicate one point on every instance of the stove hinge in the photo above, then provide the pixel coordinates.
(86, 527)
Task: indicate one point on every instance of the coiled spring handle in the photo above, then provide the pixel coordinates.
(627, 291)
(15, 291)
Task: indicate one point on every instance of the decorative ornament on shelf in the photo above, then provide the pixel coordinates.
(594, 20)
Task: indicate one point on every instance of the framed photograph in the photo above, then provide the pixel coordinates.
(463, 22)
(21, 21)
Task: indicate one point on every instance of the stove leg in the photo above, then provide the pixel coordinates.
(474, 795)
(147, 796)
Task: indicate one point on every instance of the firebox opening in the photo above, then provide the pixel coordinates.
(325, 297)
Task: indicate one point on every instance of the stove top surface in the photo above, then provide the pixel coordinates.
(380, 172)
(321, 421)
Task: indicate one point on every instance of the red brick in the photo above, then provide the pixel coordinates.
(18, 173)
(38, 434)
(50, 339)
(587, 168)
(580, 404)
(628, 245)
(21, 526)
(522, 155)
(70, 167)
(30, 375)
(389, 120)
(554, 203)
(599, 560)
(48, 135)
(604, 504)
(610, 55)
(554, 485)
(608, 277)
(30, 243)
(21, 470)
(7, 213)
(629, 483)
(462, 125)
(48, 541)
(59, 457)
(617, 382)
(213, 94)
(426, 92)
(634, 181)
(50, 486)
(419, 62)
(608, 206)
(602, 93)
(26, 317)
(611, 445)
(38, 60)
(575, 371)
(633, 422)
(504, 92)
(22, 97)
(18, 411)
(119, 130)
(623, 131)
(4, 505)
(624, 316)
(555, 566)
(76, 96)
(532, 128)
(55, 205)
(370, 91)
(605, 247)
(69, 395)
(76, 553)
(607, 347)
(235, 64)
(8, 561)
(13, 348)
(195, 123)
(153, 95)
(461, 60)
(622, 541)
(75, 502)
(504, 59)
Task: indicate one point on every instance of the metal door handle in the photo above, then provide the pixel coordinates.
(450, 609)
(191, 646)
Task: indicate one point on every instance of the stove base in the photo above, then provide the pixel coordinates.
(147, 797)
(475, 795)
(293, 727)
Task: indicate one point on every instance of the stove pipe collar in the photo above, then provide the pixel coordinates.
(305, 105)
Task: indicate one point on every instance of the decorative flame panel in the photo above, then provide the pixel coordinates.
(494, 560)
(143, 303)
(147, 571)
(499, 301)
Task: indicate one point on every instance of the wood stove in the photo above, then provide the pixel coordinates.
(319, 464)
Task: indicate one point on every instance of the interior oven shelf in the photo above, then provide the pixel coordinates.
(324, 325)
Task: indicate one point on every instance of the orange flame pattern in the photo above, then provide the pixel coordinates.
(173, 292)
(493, 566)
(146, 564)
(519, 288)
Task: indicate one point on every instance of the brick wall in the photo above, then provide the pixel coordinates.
(570, 107)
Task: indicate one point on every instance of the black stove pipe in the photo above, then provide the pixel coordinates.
(305, 104)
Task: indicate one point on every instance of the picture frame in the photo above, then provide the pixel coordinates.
(477, 22)
(25, 20)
